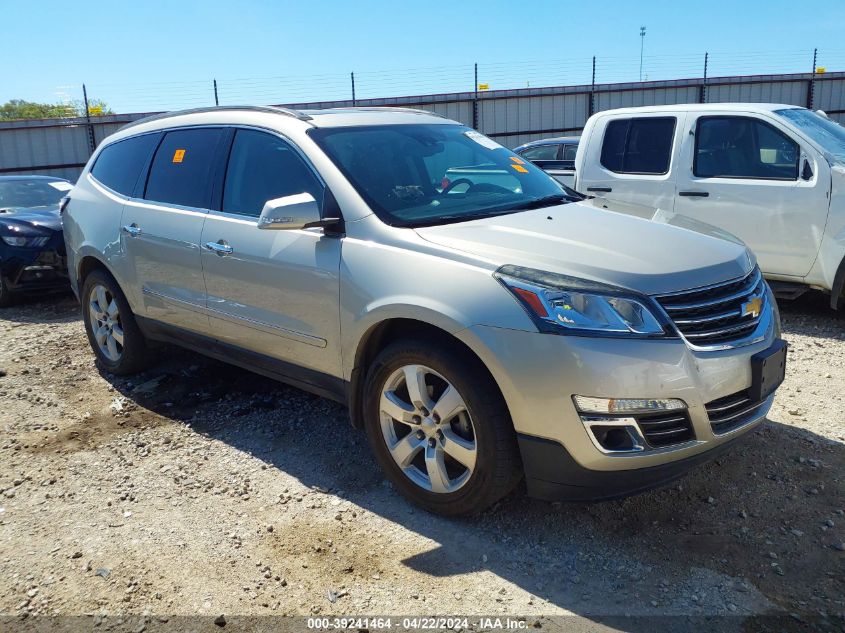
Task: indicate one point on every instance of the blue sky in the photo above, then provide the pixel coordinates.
(152, 55)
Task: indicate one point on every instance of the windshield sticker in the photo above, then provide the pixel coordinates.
(520, 169)
(482, 140)
(178, 156)
(61, 186)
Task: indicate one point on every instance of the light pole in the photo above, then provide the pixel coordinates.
(642, 44)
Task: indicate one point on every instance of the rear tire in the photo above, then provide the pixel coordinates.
(114, 335)
(454, 451)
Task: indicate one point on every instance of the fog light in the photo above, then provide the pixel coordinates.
(614, 435)
(625, 405)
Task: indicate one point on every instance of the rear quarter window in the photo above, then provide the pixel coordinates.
(181, 171)
(638, 145)
(119, 164)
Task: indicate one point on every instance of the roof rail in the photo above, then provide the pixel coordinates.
(272, 109)
(397, 109)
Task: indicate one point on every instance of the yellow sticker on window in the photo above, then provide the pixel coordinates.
(178, 156)
(520, 169)
(517, 160)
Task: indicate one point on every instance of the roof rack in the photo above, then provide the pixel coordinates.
(272, 109)
(386, 109)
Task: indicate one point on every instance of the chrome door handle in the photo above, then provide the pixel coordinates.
(132, 229)
(221, 248)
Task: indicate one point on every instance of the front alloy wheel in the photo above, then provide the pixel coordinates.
(428, 429)
(439, 427)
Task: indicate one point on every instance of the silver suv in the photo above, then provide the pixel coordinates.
(482, 323)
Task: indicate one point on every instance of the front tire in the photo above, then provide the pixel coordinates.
(439, 428)
(7, 299)
(113, 333)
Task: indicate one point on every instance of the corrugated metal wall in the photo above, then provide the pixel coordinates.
(512, 117)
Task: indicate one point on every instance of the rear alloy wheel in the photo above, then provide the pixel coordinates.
(113, 333)
(440, 428)
(104, 314)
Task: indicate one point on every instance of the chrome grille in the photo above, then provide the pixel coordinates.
(665, 429)
(731, 412)
(715, 314)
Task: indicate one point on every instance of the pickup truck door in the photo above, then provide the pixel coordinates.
(632, 159)
(751, 176)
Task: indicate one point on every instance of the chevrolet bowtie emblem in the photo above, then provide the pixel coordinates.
(752, 307)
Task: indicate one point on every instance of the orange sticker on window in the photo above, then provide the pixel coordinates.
(178, 156)
(518, 161)
(520, 169)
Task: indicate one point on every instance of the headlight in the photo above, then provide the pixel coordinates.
(27, 242)
(562, 304)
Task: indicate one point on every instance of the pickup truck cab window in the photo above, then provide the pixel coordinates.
(743, 147)
(638, 145)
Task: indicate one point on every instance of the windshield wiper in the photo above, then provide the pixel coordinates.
(545, 201)
(538, 203)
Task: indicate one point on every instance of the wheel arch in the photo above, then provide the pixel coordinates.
(379, 335)
(87, 264)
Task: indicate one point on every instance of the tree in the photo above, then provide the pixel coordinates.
(20, 109)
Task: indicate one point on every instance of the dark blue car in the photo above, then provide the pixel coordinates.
(32, 248)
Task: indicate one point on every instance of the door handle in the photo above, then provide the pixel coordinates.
(221, 248)
(132, 229)
(600, 189)
(694, 194)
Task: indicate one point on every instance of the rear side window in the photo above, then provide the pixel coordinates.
(638, 146)
(743, 147)
(541, 152)
(119, 164)
(263, 167)
(569, 152)
(182, 168)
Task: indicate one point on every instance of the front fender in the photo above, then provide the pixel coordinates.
(379, 283)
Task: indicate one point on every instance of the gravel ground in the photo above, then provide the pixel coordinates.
(199, 488)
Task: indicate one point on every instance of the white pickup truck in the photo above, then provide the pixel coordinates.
(771, 174)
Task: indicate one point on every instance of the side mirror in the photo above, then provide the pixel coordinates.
(291, 213)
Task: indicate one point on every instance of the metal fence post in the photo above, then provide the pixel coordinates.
(352, 77)
(702, 94)
(92, 142)
(475, 101)
(592, 105)
(811, 87)
(216, 100)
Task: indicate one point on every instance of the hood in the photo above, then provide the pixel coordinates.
(31, 221)
(580, 240)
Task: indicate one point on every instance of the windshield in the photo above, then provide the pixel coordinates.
(829, 134)
(32, 193)
(419, 175)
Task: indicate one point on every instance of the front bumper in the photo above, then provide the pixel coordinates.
(539, 373)
(28, 270)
